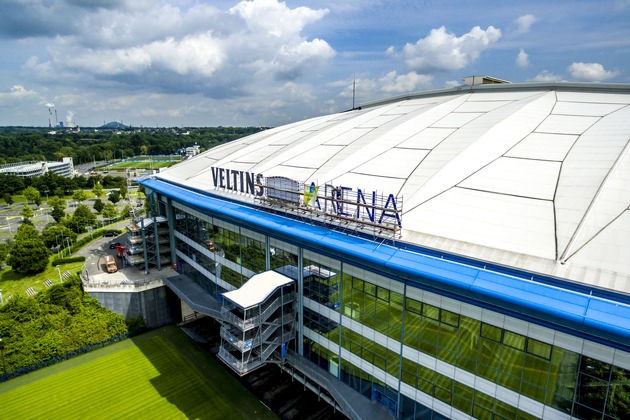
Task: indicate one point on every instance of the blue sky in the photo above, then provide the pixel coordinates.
(263, 62)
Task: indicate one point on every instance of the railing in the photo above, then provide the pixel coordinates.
(243, 324)
(238, 365)
(318, 377)
(124, 283)
(273, 345)
(246, 324)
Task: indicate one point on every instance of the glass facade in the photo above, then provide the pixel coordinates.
(420, 354)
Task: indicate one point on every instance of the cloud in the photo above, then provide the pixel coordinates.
(443, 51)
(522, 59)
(275, 19)
(195, 49)
(524, 23)
(590, 72)
(392, 83)
(547, 76)
(16, 94)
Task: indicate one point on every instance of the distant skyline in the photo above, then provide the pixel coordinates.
(266, 63)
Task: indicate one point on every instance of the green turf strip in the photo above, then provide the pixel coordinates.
(161, 374)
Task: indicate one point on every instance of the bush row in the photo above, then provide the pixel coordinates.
(59, 261)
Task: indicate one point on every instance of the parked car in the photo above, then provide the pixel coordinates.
(112, 234)
(110, 264)
(113, 245)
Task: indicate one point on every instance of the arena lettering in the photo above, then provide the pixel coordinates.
(239, 181)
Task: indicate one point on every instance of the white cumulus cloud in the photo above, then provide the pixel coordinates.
(394, 83)
(16, 93)
(547, 76)
(590, 72)
(524, 23)
(522, 59)
(444, 51)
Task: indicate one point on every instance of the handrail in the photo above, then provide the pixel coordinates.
(324, 382)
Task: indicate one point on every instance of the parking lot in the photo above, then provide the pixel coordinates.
(97, 273)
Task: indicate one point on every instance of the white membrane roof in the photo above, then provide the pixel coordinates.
(532, 176)
(257, 289)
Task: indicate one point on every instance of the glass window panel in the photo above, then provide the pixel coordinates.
(511, 362)
(465, 362)
(409, 378)
(442, 394)
(532, 391)
(504, 410)
(431, 312)
(412, 329)
(591, 392)
(380, 362)
(425, 386)
(595, 368)
(413, 305)
(369, 288)
(562, 379)
(428, 336)
(539, 348)
(618, 404)
(522, 415)
(383, 294)
(462, 397)
(491, 332)
(514, 340)
(450, 318)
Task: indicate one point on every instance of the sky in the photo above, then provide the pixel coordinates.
(198, 63)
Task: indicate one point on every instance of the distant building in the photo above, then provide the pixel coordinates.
(190, 151)
(64, 168)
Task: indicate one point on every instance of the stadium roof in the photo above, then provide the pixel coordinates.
(533, 176)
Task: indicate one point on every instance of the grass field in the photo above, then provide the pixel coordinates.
(12, 283)
(158, 375)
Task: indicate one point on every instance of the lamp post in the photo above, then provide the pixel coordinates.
(59, 272)
(4, 367)
(9, 223)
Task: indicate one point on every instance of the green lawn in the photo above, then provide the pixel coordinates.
(161, 374)
(12, 283)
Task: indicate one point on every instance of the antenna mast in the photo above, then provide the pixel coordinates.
(354, 85)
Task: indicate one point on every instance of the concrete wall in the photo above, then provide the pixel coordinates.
(153, 305)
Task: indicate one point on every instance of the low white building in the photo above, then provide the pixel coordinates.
(29, 169)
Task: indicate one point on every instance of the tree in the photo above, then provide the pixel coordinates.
(27, 212)
(31, 194)
(114, 196)
(79, 195)
(4, 252)
(55, 235)
(126, 211)
(123, 191)
(98, 190)
(81, 218)
(28, 253)
(98, 205)
(8, 198)
(58, 208)
(109, 211)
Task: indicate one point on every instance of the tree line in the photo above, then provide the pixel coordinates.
(19, 144)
